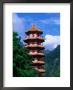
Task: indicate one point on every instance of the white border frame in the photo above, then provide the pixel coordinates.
(64, 79)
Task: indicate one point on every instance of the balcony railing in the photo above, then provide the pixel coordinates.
(33, 37)
(34, 53)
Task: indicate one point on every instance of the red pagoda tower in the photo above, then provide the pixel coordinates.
(35, 47)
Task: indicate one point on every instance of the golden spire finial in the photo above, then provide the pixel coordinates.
(34, 27)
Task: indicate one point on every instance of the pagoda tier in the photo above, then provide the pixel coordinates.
(33, 47)
(36, 62)
(34, 39)
(40, 70)
(34, 30)
(36, 54)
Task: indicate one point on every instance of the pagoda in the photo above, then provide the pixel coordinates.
(34, 44)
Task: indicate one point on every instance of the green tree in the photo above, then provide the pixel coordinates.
(22, 62)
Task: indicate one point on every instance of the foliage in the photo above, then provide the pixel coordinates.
(22, 62)
(52, 60)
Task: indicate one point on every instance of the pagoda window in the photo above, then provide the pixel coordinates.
(38, 35)
(32, 35)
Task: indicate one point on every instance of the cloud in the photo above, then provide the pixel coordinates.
(18, 23)
(55, 21)
(51, 42)
(45, 21)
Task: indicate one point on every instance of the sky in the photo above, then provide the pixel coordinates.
(49, 23)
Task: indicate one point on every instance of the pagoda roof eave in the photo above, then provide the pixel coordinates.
(34, 39)
(35, 47)
(31, 31)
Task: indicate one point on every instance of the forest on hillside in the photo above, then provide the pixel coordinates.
(52, 59)
(22, 62)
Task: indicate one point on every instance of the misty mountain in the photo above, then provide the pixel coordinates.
(52, 59)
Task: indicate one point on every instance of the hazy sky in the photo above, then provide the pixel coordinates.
(49, 23)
